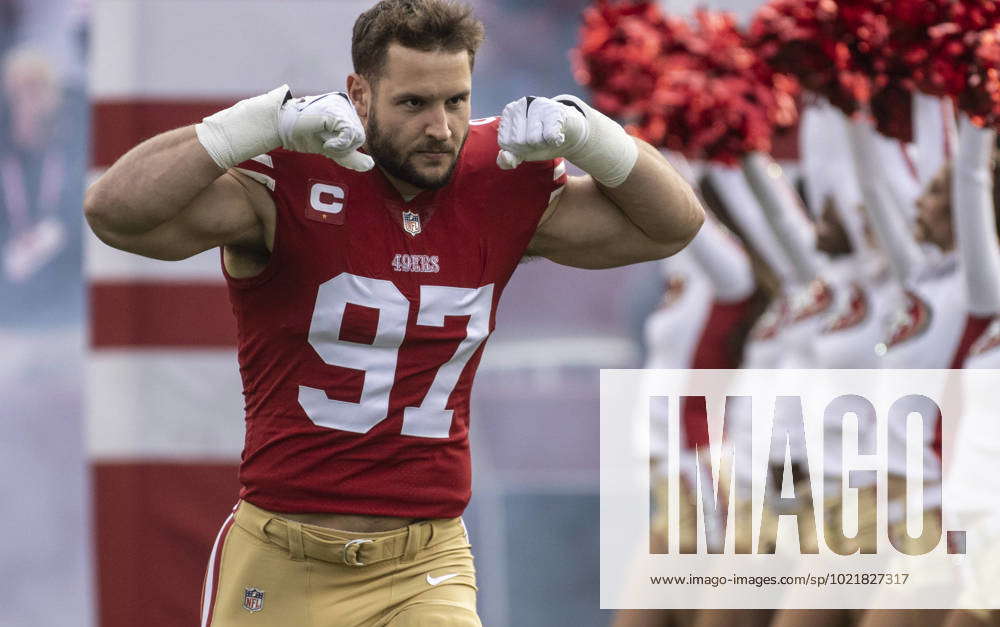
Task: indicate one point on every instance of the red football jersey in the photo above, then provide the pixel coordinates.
(359, 341)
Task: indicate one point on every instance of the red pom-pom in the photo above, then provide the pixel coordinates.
(713, 98)
(877, 52)
(933, 42)
(892, 108)
(619, 54)
(935, 47)
(806, 39)
(981, 98)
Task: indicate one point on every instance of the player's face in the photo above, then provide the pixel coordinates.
(419, 115)
(934, 212)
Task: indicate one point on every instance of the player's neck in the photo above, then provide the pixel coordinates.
(407, 190)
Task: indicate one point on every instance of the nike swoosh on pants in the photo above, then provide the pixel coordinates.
(443, 578)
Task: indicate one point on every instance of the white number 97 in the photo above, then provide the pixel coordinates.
(430, 419)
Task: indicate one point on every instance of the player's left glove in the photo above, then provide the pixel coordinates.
(539, 129)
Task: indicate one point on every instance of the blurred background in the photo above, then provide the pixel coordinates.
(120, 398)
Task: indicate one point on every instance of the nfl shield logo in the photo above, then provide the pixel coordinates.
(253, 599)
(411, 222)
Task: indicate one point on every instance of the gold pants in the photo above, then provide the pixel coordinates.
(270, 571)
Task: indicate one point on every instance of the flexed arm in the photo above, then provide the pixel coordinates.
(176, 195)
(633, 206)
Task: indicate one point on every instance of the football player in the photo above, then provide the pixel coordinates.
(366, 238)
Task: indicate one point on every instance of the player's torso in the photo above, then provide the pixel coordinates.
(359, 341)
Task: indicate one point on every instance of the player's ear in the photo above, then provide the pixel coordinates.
(360, 91)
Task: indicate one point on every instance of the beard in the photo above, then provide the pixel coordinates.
(400, 164)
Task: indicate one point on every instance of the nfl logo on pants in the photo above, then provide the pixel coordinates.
(253, 599)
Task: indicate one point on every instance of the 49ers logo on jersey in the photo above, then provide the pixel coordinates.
(416, 263)
(326, 202)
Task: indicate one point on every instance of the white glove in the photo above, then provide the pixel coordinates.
(539, 129)
(327, 125)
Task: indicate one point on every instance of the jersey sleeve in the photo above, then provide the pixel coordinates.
(261, 169)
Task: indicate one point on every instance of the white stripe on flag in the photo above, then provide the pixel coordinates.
(156, 48)
(160, 404)
(104, 263)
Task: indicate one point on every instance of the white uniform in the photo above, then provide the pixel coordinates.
(970, 485)
(925, 328)
(854, 324)
(671, 332)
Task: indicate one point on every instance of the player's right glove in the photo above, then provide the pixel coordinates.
(325, 125)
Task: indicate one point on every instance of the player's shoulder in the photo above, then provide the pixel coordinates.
(281, 167)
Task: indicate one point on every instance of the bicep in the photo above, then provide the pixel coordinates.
(583, 228)
(227, 212)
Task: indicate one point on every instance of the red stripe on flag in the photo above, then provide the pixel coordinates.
(119, 125)
(154, 535)
(157, 314)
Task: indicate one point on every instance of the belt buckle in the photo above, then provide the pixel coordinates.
(352, 559)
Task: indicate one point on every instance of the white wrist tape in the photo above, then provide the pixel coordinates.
(604, 151)
(244, 130)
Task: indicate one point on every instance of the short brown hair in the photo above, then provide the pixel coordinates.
(420, 24)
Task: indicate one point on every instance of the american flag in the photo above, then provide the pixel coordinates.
(164, 398)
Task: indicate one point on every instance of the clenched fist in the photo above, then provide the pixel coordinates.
(538, 129)
(325, 125)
